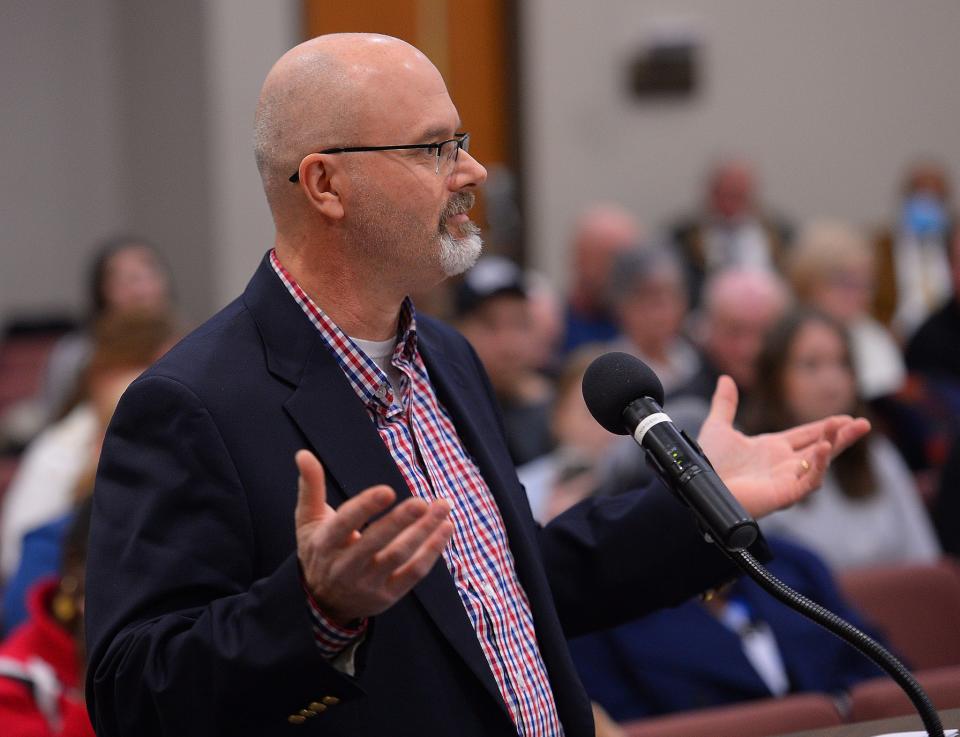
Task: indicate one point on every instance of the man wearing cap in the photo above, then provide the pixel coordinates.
(399, 585)
(493, 313)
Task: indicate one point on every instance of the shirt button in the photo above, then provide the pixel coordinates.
(382, 391)
(489, 591)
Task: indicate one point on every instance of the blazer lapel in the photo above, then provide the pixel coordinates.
(338, 429)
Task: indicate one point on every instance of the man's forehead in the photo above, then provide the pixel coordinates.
(409, 102)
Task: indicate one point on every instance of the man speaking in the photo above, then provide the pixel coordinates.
(388, 578)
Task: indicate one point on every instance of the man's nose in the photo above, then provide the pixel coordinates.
(467, 172)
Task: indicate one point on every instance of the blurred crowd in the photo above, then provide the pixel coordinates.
(809, 319)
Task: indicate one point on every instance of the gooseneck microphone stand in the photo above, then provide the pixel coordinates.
(845, 631)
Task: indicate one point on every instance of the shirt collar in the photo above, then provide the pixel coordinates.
(367, 379)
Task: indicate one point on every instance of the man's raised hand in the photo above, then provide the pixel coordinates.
(774, 470)
(355, 567)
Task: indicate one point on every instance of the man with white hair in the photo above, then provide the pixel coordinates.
(739, 308)
(601, 233)
(399, 585)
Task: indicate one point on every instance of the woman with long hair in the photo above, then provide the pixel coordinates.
(868, 510)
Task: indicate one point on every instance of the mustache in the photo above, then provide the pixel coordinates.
(458, 203)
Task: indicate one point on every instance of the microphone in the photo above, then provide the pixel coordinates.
(625, 396)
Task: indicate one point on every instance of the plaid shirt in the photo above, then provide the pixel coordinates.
(423, 441)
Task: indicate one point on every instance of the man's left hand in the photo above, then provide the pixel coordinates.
(774, 470)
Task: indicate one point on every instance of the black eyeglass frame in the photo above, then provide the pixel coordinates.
(461, 139)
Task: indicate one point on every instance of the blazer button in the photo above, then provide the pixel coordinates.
(307, 713)
(296, 719)
(330, 700)
(317, 707)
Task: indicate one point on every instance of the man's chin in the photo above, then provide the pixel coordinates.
(459, 254)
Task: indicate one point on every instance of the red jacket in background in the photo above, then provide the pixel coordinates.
(40, 676)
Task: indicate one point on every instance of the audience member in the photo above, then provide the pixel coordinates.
(739, 646)
(40, 553)
(125, 343)
(127, 273)
(924, 418)
(932, 350)
(546, 322)
(494, 314)
(913, 274)
(868, 510)
(41, 663)
(649, 299)
(587, 460)
(572, 471)
(732, 228)
(738, 308)
(946, 505)
(831, 267)
(602, 232)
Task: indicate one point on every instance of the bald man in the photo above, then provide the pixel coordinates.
(602, 232)
(306, 519)
(739, 308)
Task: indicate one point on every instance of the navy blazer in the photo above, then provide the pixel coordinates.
(197, 622)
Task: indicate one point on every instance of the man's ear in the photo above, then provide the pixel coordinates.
(318, 175)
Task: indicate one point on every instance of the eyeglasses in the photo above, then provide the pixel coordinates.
(446, 154)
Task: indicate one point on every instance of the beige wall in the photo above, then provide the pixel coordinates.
(59, 132)
(828, 98)
(136, 115)
(133, 116)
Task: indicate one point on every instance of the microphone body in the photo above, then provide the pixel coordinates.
(681, 465)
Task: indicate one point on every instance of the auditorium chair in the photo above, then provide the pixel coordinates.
(761, 718)
(22, 362)
(8, 467)
(917, 607)
(881, 698)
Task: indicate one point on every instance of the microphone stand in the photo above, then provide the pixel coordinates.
(845, 631)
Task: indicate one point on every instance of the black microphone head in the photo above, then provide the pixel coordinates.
(612, 382)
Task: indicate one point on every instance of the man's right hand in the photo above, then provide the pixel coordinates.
(355, 568)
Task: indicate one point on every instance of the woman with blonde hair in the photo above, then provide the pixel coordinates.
(832, 267)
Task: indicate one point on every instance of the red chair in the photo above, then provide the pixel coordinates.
(750, 719)
(881, 698)
(22, 362)
(8, 467)
(916, 606)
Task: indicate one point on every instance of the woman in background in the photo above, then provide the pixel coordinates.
(832, 267)
(41, 663)
(127, 274)
(868, 510)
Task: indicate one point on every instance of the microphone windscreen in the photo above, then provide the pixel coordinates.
(612, 382)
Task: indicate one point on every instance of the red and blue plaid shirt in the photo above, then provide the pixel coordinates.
(423, 441)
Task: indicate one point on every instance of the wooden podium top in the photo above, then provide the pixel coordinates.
(949, 717)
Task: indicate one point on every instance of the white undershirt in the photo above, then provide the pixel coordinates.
(381, 353)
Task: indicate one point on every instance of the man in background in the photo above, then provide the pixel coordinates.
(732, 229)
(602, 232)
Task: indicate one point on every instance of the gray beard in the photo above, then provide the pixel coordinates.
(459, 254)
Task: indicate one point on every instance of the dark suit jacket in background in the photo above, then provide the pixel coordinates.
(197, 623)
(685, 658)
